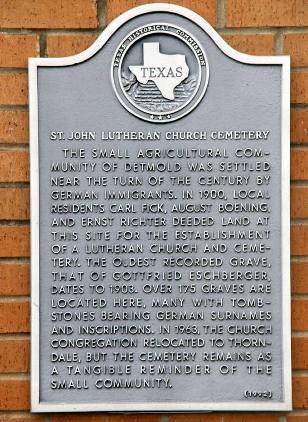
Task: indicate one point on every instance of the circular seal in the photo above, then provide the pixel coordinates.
(159, 72)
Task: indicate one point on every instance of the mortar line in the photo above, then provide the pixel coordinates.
(297, 334)
(13, 261)
(15, 414)
(299, 146)
(98, 30)
(302, 105)
(14, 336)
(13, 70)
(14, 184)
(300, 69)
(20, 259)
(220, 14)
(43, 44)
(72, 32)
(299, 106)
(17, 147)
(299, 296)
(262, 31)
(300, 412)
(301, 373)
(101, 13)
(16, 299)
(37, 31)
(279, 42)
(268, 28)
(58, 30)
(299, 182)
(15, 376)
(14, 107)
(4, 222)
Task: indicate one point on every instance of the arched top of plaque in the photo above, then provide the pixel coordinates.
(160, 69)
(150, 9)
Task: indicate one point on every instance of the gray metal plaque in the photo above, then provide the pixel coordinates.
(160, 222)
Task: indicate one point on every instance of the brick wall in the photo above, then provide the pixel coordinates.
(31, 28)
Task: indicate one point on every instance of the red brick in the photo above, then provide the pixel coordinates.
(195, 418)
(300, 352)
(207, 9)
(14, 279)
(68, 45)
(104, 418)
(15, 49)
(13, 89)
(14, 317)
(250, 417)
(296, 46)
(14, 166)
(299, 164)
(77, 418)
(299, 271)
(299, 314)
(299, 201)
(14, 241)
(300, 392)
(266, 13)
(14, 395)
(15, 203)
(29, 418)
(14, 356)
(299, 239)
(257, 44)
(299, 126)
(299, 87)
(14, 127)
(48, 14)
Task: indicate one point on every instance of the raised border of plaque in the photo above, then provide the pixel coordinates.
(34, 63)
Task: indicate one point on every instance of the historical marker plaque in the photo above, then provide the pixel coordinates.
(160, 222)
